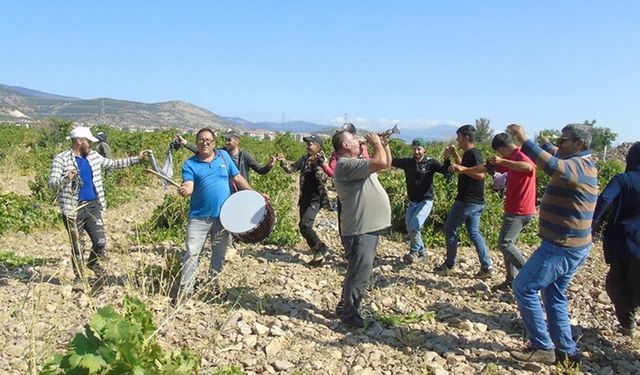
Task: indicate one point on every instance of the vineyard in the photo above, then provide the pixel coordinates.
(275, 314)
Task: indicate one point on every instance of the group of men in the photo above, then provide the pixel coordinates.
(565, 214)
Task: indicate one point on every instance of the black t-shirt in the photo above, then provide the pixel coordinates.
(470, 190)
(310, 191)
(419, 176)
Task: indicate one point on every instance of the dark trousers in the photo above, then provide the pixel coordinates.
(88, 219)
(360, 251)
(623, 287)
(308, 213)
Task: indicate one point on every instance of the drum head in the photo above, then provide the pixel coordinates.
(243, 211)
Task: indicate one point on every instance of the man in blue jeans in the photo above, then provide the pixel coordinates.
(418, 173)
(469, 202)
(206, 178)
(566, 213)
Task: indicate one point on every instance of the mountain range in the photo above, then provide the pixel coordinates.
(19, 104)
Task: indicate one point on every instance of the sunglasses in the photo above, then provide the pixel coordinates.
(560, 141)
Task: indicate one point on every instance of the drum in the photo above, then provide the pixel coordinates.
(248, 216)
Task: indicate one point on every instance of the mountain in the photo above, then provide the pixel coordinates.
(291, 126)
(22, 103)
(27, 105)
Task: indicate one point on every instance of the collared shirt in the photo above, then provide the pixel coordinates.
(67, 191)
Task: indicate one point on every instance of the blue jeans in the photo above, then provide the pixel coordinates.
(469, 214)
(512, 225)
(549, 270)
(417, 214)
(197, 232)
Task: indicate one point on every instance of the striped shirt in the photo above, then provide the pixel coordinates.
(67, 192)
(570, 198)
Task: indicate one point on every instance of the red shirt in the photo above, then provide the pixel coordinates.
(521, 187)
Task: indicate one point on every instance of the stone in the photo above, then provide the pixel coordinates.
(282, 365)
(273, 348)
(260, 329)
(276, 331)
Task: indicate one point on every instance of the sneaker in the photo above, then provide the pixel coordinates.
(443, 269)
(568, 360)
(629, 332)
(354, 321)
(484, 274)
(340, 308)
(503, 286)
(77, 285)
(96, 268)
(318, 259)
(547, 356)
(410, 258)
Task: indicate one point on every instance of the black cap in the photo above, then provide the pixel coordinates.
(349, 127)
(231, 134)
(313, 138)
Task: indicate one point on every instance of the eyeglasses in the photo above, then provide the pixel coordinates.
(203, 141)
(560, 141)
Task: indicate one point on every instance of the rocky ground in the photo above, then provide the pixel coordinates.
(277, 314)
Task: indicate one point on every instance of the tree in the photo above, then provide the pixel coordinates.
(600, 137)
(485, 132)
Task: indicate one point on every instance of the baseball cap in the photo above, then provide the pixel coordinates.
(83, 132)
(313, 138)
(349, 127)
(419, 142)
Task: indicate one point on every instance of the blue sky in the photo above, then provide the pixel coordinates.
(539, 63)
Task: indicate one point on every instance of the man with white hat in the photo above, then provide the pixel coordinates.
(76, 177)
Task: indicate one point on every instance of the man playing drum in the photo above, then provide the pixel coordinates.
(206, 178)
(365, 212)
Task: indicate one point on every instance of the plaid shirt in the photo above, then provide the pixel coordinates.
(67, 191)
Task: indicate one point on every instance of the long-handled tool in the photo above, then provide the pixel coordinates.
(165, 178)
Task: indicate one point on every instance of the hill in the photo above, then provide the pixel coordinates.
(18, 103)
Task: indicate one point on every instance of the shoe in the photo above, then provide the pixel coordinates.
(484, 274)
(443, 269)
(547, 356)
(340, 308)
(410, 258)
(568, 360)
(96, 268)
(629, 332)
(354, 321)
(319, 257)
(503, 286)
(77, 285)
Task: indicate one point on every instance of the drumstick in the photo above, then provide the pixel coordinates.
(163, 177)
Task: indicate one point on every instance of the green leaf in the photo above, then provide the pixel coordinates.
(92, 362)
(117, 331)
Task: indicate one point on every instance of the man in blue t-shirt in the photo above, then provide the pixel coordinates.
(206, 178)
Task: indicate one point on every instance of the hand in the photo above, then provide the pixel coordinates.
(517, 133)
(542, 140)
(266, 196)
(143, 154)
(181, 140)
(271, 162)
(280, 157)
(184, 190)
(384, 139)
(373, 139)
(495, 160)
(456, 168)
(72, 173)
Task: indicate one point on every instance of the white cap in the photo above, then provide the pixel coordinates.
(83, 132)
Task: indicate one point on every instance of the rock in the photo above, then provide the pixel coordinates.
(244, 328)
(276, 331)
(603, 298)
(273, 348)
(454, 359)
(481, 327)
(250, 340)
(465, 325)
(533, 367)
(260, 329)
(282, 365)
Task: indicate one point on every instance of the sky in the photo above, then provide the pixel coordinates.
(542, 64)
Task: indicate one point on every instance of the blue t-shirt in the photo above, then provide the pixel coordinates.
(87, 191)
(210, 184)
